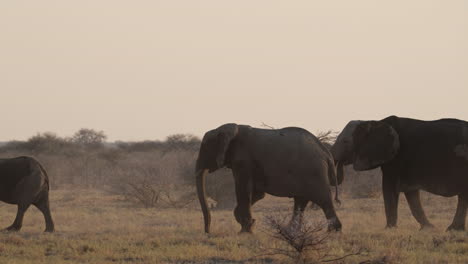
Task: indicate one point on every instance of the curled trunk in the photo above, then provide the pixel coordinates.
(200, 178)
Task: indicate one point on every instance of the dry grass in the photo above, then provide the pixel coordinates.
(96, 227)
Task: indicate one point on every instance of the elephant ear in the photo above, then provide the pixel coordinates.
(375, 144)
(225, 134)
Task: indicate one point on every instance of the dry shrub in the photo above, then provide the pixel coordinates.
(161, 196)
(327, 137)
(142, 192)
(153, 179)
(302, 241)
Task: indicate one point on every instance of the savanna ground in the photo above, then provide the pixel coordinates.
(94, 226)
(134, 202)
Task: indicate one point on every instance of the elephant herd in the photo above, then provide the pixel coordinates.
(413, 155)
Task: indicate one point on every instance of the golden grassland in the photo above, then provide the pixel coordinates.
(97, 227)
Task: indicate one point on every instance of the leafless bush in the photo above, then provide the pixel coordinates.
(152, 181)
(160, 196)
(327, 137)
(142, 192)
(300, 241)
(174, 199)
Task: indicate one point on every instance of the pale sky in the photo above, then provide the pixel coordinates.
(147, 69)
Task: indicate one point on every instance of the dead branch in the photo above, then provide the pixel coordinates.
(266, 126)
(328, 137)
(302, 241)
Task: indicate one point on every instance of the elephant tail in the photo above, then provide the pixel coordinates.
(332, 175)
(46, 176)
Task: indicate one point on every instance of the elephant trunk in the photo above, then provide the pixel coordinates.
(200, 174)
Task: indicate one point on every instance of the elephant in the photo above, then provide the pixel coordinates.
(24, 181)
(287, 162)
(413, 155)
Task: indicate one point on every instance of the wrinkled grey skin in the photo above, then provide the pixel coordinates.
(288, 162)
(413, 155)
(23, 181)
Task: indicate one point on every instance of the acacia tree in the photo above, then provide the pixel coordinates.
(89, 137)
(90, 142)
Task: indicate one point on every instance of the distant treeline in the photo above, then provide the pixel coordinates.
(87, 160)
(90, 139)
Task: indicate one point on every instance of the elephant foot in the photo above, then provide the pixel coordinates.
(334, 229)
(390, 226)
(456, 227)
(248, 227)
(49, 230)
(334, 226)
(427, 226)
(12, 228)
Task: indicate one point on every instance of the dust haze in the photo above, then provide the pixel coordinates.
(113, 98)
(156, 68)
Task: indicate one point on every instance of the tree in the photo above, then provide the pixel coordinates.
(89, 137)
(182, 141)
(44, 142)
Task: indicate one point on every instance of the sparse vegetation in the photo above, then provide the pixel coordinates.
(95, 226)
(134, 202)
(86, 160)
(303, 242)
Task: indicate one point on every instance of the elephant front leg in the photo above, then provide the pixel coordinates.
(414, 203)
(458, 222)
(242, 212)
(391, 194)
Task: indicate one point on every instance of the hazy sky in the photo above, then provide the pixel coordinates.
(148, 69)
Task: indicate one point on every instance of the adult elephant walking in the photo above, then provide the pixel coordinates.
(413, 155)
(23, 181)
(288, 162)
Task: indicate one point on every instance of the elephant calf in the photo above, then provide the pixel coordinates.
(23, 181)
(288, 162)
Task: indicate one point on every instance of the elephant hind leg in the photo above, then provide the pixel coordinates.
(458, 222)
(414, 203)
(43, 205)
(24, 194)
(328, 209)
(18, 223)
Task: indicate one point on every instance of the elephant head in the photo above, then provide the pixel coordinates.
(366, 145)
(343, 149)
(212, 156)
(375, 144)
